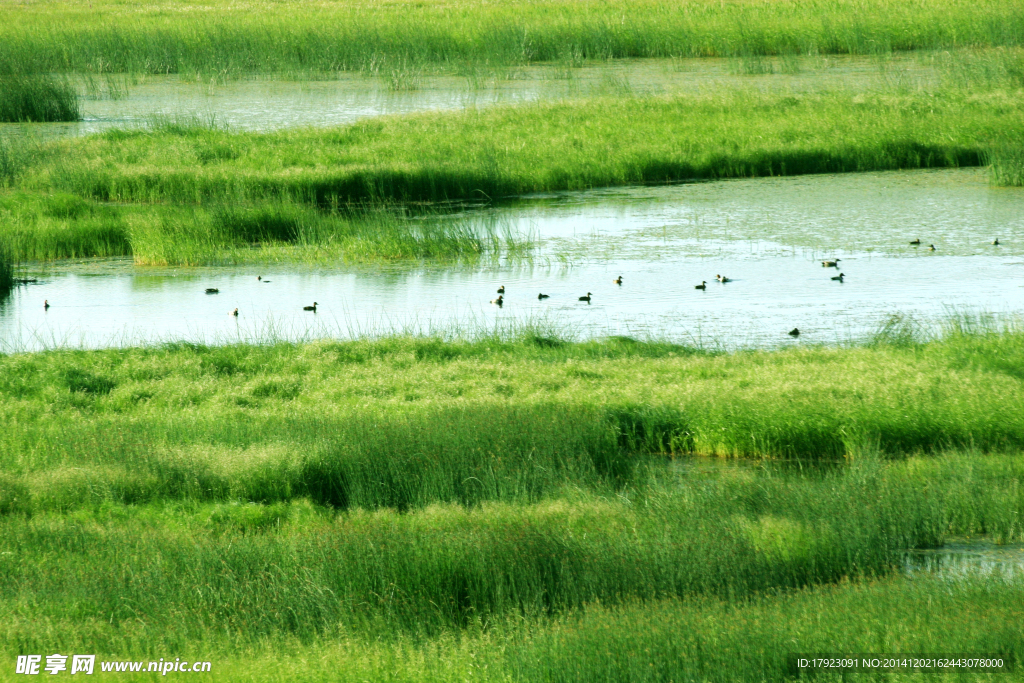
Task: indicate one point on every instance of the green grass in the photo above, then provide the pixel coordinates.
(187, 191)
(176, 576)
(504, 508)
(466, 422)
(37, 99)
(60, 225)
(1007, 163)
(6, 269)
(507, 151)
(404, 37)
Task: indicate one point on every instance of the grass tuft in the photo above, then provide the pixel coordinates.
(37, 98)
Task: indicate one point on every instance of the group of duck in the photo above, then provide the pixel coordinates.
(259, 278)
(500, 301)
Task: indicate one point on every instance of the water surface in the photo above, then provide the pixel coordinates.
(118, 100)
(768, 236)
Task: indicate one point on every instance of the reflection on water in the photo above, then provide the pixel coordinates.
(959, 558)
(267, 104)
(768, 235)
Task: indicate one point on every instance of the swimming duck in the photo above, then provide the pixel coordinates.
(212, 290)
(585, 298)
(310, 308)
(259, 278)
(542, 296)
(794, 332)
(931, 247)
(501, 290)
(995, 242)
(46, 305)
(234, 313)
(831, 264)
(723, 279)
(618, 280)
(839, 277)
(499, 301)
(702, 285)
(916, 242)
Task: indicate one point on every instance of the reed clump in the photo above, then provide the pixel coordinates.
(7, 264)
(37, 98)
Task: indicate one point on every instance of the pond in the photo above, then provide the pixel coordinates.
(768, 236)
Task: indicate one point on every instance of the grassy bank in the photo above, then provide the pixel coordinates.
(38, 98)
(45, 226)
(506, 151)
(230, 39)
(468, 422)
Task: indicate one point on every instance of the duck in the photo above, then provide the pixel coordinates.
(702, 285)
(310, 308)
(499, 301)
(618, 280)
(723, 279)
(831, 264)
(259, 278)
(916, 243)
(501, 290)
(46, 305)
(794, 332)
(212, 290)
(540, 297)
(931, 247)
(995, 242)
(839, 277)
(586, 298)
(234, 313)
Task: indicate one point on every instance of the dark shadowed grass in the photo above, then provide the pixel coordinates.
(6, 268)
(37, 98)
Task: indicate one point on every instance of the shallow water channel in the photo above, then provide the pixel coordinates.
(768, 236)
(119, 100)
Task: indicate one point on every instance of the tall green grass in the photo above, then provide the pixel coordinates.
(199, 572)
(405, 422)
(63, 225)
(6, 269)
(37, 98)
(404, 37)
(504, 151)
(717, 641)
(1007, 164)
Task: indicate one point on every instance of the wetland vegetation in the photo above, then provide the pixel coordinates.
(507, 506)
(515, 504)
(398, 38)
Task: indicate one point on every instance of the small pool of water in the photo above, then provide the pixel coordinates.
(768, 236)
(962, 557)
